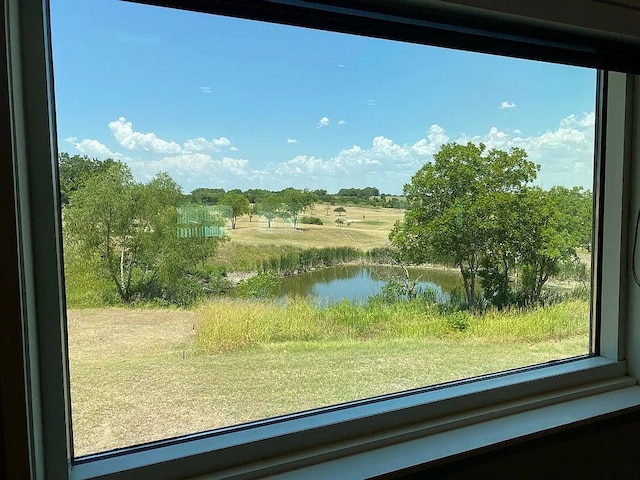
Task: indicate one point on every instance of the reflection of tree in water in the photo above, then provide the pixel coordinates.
(442, 282)
(302, 285)
(448, 280)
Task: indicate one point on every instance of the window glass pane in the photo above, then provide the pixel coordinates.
(262, 219)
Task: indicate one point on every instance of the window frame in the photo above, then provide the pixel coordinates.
(299, 440)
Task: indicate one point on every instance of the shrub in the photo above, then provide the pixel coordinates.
(263, 285)
(214, 279)
(390, 292)
(183, 292)
(459, 320)
(311, 220)
(576, 270)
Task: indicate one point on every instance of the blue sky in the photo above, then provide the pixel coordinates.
(222, 102)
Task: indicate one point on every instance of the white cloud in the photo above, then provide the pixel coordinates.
(201, 144)
(506, 104)
(587, 120)
(123, 132)
(324, 121)
(303, 165)
(565, 153)
(191, 170)
(385, 146)
(206, 89)
(371, 102)
(340, 65)
(93, 148)
(437, 135)
(358, 162)
(429, 145)
(130, 139)
(342, 122)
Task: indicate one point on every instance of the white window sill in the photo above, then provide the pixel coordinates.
(511, 428)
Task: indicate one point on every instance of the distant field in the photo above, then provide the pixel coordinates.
(365, 228)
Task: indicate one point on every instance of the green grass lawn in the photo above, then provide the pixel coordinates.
(137, 376)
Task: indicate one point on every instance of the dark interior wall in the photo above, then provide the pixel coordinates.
(602, 17)
(3, 453)
(608, 449)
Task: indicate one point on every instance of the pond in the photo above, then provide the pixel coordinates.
(357, 283)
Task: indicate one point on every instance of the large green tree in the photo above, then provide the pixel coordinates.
(294, 202)
(237, 203)
(75, 170)
(269, 207)
(132, 228)
(535, 232)
(575, 205)
(555, 228)
(504, 233)
(451, 206)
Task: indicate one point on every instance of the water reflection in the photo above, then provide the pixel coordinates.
(357, 283)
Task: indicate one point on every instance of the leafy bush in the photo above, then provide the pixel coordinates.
(311, 220)
(497, 290)
(428, 295)
(457, 301)
(214, 279)
(580, 292)
(339, 210)
(390, 292)
(263, 285)
(86, 285)
(459, 320)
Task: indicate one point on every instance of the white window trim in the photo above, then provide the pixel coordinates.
(333, 434)
(301, 440)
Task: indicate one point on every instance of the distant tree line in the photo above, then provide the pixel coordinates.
(370, 196)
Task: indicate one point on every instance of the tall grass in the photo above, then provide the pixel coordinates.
(238, 257)
(85, 287)
(289, 263)
(287, 260)
(556, 322)
(226, 325)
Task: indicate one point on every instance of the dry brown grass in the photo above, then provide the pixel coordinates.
(367, 228)
(136, 378)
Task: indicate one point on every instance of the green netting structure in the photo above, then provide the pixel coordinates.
(202, 220)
